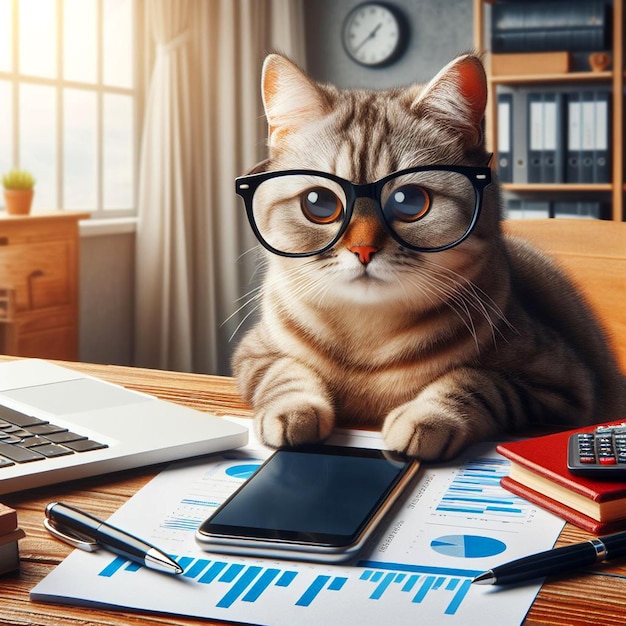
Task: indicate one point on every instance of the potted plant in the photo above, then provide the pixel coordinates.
(18, 191)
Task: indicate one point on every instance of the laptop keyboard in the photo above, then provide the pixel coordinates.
(24, 438)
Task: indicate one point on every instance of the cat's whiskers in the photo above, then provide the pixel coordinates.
(299, 277)
(462, 296)
(481, 295)
(250, 297)
(241, 323)
(456, 301)
(313, 289)
(475, 297)
(439, 292)
(301, 286)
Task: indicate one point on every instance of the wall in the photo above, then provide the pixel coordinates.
(440, 30)
(107, 274)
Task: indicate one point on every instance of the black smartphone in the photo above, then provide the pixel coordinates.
(319, 503)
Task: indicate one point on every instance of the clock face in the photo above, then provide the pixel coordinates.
(372, 34)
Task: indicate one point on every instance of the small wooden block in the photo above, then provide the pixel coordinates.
(524, 64)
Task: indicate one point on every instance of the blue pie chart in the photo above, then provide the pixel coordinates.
(243, 471)
(467, 546)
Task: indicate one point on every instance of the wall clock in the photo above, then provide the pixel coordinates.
(374, 34)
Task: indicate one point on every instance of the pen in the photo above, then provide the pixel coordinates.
(88, 533)
(556, 561)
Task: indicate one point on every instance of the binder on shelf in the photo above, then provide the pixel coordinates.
(601, 152)
(545, 137)
(588, 126)
(505, 137)
(588, 137)
(518, 209)
(535, 137)
(578, 210)
(574, 138)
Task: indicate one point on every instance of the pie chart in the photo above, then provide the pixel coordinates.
(242, 471)
(467, 546)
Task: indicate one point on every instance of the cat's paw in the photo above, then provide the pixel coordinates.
(425, 431)
(290, 422)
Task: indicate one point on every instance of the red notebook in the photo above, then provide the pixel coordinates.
(539, 474)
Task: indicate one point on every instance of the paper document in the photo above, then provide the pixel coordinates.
(455, 522)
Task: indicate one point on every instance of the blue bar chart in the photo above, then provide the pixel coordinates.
(475, 492)
(372, 580)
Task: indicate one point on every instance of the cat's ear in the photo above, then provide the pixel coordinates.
(290, 97)
(457, 95)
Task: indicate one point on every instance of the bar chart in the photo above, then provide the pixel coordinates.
(369, 580)
(475, 493)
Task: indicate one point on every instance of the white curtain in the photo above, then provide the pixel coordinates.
(203, 126)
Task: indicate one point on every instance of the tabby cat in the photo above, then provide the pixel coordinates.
(400, 305)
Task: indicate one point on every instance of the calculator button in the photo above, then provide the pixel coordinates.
(587, 459)
(607, 460)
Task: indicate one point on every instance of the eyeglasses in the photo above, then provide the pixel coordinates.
(300, 213)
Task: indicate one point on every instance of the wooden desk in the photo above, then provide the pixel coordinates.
(584, 599)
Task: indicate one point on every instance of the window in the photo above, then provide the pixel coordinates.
(69, 102)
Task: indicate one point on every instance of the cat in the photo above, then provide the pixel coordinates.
(440, 349)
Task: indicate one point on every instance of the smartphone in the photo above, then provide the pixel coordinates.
(318, 503)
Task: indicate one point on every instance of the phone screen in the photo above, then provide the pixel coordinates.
(324, 495)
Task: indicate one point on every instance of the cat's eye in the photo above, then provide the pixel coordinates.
(408, 203)
(321, 205)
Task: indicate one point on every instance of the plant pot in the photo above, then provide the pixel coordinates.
(18, 201)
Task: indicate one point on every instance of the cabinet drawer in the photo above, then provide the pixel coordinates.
(55, 343)
(38, 272)
(37, 229)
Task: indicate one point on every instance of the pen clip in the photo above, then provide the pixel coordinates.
(76, 540)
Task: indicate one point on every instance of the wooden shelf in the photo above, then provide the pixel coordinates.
(615, 77)
(559, 187)
(574, 77)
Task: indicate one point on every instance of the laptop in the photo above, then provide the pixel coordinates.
(57, 424)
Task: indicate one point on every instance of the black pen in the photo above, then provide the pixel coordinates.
(556, 561)
(88, 533)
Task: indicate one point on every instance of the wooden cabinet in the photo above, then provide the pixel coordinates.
(612, 79)
(39, 285)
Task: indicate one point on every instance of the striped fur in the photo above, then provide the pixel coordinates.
(438, 350)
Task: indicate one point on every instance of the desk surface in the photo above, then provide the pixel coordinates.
(584, 599)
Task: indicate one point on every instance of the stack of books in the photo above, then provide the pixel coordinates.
(9, 536)
(539, 474)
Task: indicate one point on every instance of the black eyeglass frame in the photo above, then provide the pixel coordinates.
(479, 177)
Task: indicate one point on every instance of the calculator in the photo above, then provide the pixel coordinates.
(600, 453)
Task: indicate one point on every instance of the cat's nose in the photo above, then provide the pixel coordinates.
(365, 253)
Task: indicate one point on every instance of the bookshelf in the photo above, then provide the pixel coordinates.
(612, 79)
